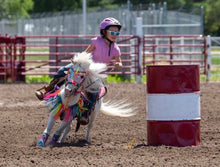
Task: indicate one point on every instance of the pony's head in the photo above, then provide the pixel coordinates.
(84, 74)
(75, 78)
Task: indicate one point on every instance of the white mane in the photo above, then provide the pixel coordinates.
(94, 71)
(83, 59)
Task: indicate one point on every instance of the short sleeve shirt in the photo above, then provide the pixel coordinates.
(101, 52)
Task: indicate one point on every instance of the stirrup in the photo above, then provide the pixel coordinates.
(39, 95)
(81, 121)
(84, 120)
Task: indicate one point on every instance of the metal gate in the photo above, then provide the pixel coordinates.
(45, 54)
(11, 58)
(174, 49)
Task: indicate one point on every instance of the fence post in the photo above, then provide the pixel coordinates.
(2, 27)
(208, 53)
(84, 17)
(139, 32)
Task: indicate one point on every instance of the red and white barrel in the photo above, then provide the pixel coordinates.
(173, 105)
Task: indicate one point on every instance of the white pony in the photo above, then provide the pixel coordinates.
(83, 76)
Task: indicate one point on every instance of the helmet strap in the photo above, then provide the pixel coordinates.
(110, 43)
(109, 51)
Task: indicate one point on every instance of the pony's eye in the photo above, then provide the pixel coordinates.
(81, 76)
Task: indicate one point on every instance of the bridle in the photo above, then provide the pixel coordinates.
(72, 81)
(79, 88)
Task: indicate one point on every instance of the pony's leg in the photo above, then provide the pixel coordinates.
(46, 132)
(66, 131)
(57, 133)
(92, 119)
(50, 124)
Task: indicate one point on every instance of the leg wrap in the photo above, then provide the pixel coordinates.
(54, 140)
(43, 140)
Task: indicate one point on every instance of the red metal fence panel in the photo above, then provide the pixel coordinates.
(5, 58)
(45, 54)
(174, 49)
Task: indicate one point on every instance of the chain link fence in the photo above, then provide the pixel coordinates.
(156, 20)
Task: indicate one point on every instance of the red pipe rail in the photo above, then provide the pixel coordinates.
(45, 54)
(168, 49)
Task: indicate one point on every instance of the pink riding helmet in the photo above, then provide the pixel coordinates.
(110, 21)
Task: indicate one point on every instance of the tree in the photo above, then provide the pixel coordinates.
(212, 17)
(56, 5)
(15, 8)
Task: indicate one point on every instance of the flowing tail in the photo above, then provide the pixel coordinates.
(118, 108)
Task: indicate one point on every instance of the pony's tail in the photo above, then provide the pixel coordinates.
(119, 108)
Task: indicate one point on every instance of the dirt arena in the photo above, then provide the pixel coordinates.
(23, 119)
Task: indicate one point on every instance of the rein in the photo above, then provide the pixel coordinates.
(67, 101)
(91, 83)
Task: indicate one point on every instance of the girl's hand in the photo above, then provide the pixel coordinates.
(118, 65)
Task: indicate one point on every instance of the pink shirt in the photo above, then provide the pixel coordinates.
(101, 52)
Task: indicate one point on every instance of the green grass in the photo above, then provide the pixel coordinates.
(113, 79)
(47, 79)
(216, 71)
(36, 57)
(216, 49)
(119, 78)
(215, 76)
(215, 60)
(38, 79)
(46, 49)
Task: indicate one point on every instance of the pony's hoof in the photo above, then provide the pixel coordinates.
(54, 140)
(88, 140)
(40, 144)
(43, 140)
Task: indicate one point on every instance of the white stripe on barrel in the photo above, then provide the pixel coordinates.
(173, 105)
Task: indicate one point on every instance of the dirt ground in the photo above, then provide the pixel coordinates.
(23, 119)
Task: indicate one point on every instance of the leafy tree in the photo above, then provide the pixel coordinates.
(212, 17)
(56, 5)
(102, 4)
(13, 8)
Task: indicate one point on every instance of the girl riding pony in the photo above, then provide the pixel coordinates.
(103, 49)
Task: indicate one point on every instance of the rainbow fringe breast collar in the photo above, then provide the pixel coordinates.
(58, 107)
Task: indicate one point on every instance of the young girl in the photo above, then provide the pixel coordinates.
(102, 48)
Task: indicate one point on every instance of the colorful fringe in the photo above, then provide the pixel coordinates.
(54, 101)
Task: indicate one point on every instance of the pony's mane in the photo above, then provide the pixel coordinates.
(94, 71)
(83, 59)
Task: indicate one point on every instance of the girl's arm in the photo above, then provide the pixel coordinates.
(90, 48)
